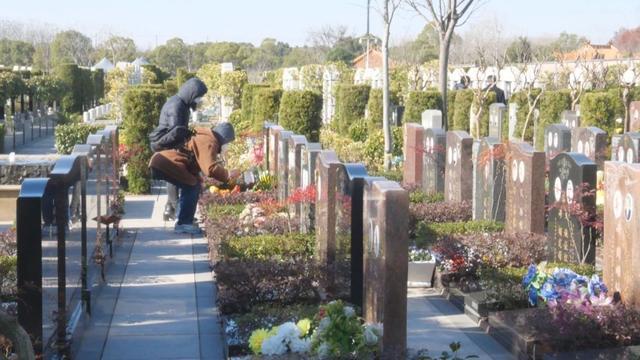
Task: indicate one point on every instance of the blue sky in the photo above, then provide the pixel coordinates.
(291, 20)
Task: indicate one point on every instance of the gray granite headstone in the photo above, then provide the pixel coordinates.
(459, 167)
(283, 165)
(572, 181)
(592, 142)
(627, 148)
(309, 159)
(557, 139)
(497, 115)
(570, 119)
(435, 144)
(432, 119)
(489, 173)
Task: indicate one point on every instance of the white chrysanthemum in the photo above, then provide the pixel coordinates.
(274, 346)
(324, 323)
(288, 331)
(300, 345)
(370, 337)
(349, 311)
(324, 351)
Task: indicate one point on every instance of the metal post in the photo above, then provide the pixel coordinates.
(86, 293)
(61, 206)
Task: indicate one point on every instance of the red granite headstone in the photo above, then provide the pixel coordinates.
(525, 189)
(459, 167)
(413, 153)
(634, 114)
(621, 261)
(592, 142)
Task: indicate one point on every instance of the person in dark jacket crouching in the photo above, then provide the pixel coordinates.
(182, 167)
(173, 131)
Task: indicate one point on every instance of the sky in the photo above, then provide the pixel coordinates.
(152, 22)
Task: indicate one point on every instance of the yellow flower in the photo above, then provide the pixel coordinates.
(304, 326)
(273, 331)
(256, 339)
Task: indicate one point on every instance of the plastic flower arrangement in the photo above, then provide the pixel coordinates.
(279, 340)
(562, 285)
(416, 254)
(342, 334)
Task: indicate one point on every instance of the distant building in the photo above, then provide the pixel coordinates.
(105, 65)
(373, 60)
(591, 51)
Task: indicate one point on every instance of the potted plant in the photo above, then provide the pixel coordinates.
(421, 268)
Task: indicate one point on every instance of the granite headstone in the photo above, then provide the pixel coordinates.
(435, 144)
(413, 153)
(459, 167)
(490, 192)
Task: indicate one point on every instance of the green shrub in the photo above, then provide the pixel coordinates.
(462, 108)
(398, 140)
(301, 112)
(141, 110)
(552, 104)
(419, 196)
(98, 83)
(419, 101)
(451, 107)
(374, 107)
(359, 130)
(246, 103)
(520, 98)
(69, 135)
(217, 211)
(351, 103)
(71, 77)
(374, 148)
(393, 175)
(88, 89)
(264, 247)
(265, 106)
(238, 122)
(429, 233)
(601, 109)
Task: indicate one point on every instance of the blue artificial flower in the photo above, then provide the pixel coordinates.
(533, 297)
(563, 277)
(548, 290)
(531, 274)
(596, 286)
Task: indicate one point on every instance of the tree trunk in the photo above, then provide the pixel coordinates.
(386, 126)
(443, 57)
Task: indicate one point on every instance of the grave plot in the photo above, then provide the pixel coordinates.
(435, 143)
(413, 154)
(557, 140)
(592, 142)
(459, 167)
(490, 195)
(525, 189)
(626, 148)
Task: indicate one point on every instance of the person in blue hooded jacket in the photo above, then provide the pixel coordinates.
(173, 131)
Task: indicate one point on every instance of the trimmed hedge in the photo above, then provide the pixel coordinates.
(301, 112)
(552, 104)
(69, 135)
(451, 107)
(269, 246)
(462, 109)
(98, 83)
(246, 103)
(601, 109)
(265, 106)
(141, 111)
(429, 233)
(71, 77)
(351, 102)
(374, 107)
(419, 101)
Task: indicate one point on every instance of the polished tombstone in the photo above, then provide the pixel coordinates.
(272, 146)
(432, 119)
(266, 144)
(620, 264)
(524, 211)
(572, 181)
(634, 115)
(283, 165)
(459, 167)
(626, 148)
(570, 119)
(309, 159)
(349, 212)
(435, 144)
(413, 153)
(513, 119)
(490, 192)
(557, 139)
(497, 115)
(385, 230)
(592, 142)
(296, 145)
(327, 168)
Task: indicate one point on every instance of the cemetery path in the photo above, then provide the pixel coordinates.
(164, 307)
(39, 146)
(433, 323)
